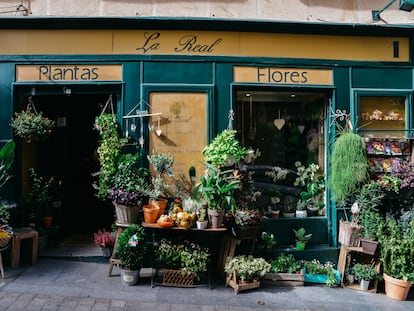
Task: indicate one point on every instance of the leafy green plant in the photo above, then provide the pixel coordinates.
(38, 197)
(218, 187)
(397, 247)
(6, 160)
(285, 264)
(365, 272)
(313, 183)
(224, 149)
(31, 125)
(247, 268)
(162, 163)
(109, 149)
(349, 166)
(131, 247)
(268, 241)
(301, 236)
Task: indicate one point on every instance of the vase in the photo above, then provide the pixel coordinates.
(364, 284)
(129, 277)
(151, 213)
(395, 288)
(126, 214)
(201, 225)
(215, 218)
(302, 214)
(160, 203)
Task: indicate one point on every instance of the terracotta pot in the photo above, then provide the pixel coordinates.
(47, 221)
(395, 288)
(151, 213)
(160, 203)
(275, 214)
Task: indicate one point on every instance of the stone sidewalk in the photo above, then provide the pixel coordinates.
(59, 284)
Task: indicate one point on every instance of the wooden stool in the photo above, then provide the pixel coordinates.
(20, 234)
(114, 260)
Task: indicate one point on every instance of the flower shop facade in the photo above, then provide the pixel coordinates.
(175, 84)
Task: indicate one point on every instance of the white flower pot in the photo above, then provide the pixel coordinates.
(302, 214)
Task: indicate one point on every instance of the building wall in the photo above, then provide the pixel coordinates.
(339, 11)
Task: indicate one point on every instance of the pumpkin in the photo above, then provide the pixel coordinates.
(165, 221)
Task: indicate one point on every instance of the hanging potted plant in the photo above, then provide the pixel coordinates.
(31, 125)
(130, 251)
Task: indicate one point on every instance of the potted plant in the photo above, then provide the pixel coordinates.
(105, 240)
(245, 271)
(267, 242)
(285, 270)
(365, 273)
(244, 224)
(317, 272)
(31, 125)
(301, 238)
(224, 149)
(38, 197)
(161, 163)
(218, 187)
(201, 221)
(396, 246)
(130, 251)
(129, 188)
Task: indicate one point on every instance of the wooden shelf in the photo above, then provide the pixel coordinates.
(155, 226)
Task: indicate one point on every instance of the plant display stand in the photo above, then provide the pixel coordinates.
(239, 286)
(114, 260)
(353, 251)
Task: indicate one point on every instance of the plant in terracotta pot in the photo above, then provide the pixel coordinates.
(397, 256)
(365, 273)
(218, 188)
(130, 250)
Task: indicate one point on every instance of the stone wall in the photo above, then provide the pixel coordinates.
(339, 11)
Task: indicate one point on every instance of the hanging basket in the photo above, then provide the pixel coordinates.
(349, 234)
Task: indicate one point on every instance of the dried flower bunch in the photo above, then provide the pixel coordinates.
(31, 125)
(104, 238)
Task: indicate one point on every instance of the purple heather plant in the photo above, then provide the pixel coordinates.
(404, 170)
(124, 197)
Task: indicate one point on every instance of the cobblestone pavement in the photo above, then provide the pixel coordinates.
(56, 284)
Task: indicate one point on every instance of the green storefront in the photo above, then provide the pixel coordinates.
(175, 83)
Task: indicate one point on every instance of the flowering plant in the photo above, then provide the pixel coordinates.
(125, 197)
(316, 267)
(32, 126)
(104, 238)
(244, 218)
(247, 268)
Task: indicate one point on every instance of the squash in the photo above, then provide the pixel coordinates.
(165, 221)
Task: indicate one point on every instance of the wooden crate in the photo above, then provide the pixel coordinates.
(284, 279)
(237, 285)
(177, 278)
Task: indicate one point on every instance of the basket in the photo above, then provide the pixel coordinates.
(178, 278)
(349, 234)
(4, 242)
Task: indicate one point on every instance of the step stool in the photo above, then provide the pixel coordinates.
(20, 234)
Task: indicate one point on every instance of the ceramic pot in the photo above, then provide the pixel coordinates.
(395, 288)
(302, 214)
(151, 213)
(202, 224)
(215, 218)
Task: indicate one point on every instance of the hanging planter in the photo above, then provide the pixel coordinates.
(30, 125)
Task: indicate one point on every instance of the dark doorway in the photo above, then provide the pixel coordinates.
(69, 156)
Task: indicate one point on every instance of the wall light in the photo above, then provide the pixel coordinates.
(405, 5)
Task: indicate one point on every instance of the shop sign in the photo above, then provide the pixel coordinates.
(273, 75)
(65, 73)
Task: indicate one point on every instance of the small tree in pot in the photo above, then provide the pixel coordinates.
(130, 250)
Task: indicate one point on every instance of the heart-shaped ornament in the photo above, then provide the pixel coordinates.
(158, 132)
(279, 123)
(301, 128)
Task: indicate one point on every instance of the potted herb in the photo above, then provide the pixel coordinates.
(245, 271)
(130, 251)
(31, 125)
(218, 187)
(224, 150)
(301, 238)
(396, 246)
(365, 273)
(105, 240)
